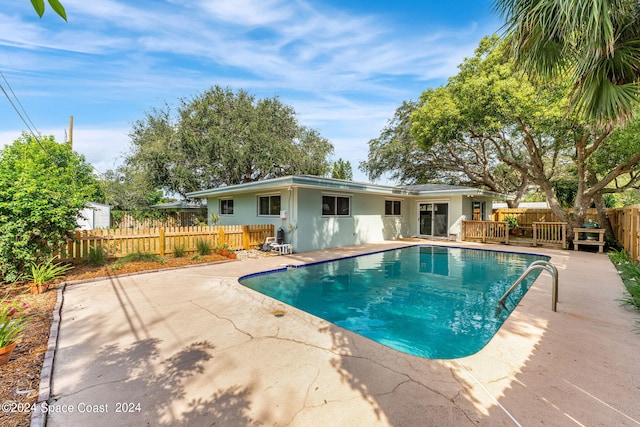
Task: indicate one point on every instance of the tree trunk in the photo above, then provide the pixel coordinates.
(603, 219)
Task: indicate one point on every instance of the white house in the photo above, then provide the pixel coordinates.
(320, 213)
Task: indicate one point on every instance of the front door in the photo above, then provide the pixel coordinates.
(434, 219)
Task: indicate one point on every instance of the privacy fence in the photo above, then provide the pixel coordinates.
(626, 228)
(625, 223)
(161, 241)
(526, 217)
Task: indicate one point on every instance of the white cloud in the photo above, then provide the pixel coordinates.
(344, 73)
(249, 12)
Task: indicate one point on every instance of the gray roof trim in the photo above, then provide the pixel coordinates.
(340, 184)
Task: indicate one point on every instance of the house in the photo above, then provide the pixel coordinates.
(94, 216)
(321, 213)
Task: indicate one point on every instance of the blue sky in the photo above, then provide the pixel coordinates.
(343, 66)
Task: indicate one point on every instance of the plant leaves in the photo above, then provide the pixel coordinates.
(38, 5)
(57, 7)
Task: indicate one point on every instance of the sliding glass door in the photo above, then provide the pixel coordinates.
(434, 219)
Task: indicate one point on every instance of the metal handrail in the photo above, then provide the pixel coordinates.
(536, 265)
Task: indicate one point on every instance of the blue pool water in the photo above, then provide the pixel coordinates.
(428, 301)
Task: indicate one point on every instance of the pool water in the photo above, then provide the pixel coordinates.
(428, 301)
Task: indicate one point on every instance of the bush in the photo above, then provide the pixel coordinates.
(630, 274)
(204, 247)
(43, 187)
(512, 221)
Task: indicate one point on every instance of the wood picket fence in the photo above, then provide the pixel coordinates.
(161, 241)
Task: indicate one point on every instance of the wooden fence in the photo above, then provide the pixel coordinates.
(526, 217)
(161, 241)
(486, 231)
(625, 223)
(124, 220)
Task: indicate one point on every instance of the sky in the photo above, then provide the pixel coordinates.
(343, 66)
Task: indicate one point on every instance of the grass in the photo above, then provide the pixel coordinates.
(178, 251)
(203, 247)
(97, 257)
(630, 273)
(137, 257)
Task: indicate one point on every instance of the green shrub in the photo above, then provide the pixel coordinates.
(512, 221)
(137, 257)
(44, 186)
(46, 271)
(178, 251)
(630, 274)
(97, 256)
(204, 247)
(196, 257)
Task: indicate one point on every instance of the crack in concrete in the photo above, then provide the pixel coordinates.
(409, 378)
(57, 397)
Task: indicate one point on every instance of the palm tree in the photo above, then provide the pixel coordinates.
(595, 42)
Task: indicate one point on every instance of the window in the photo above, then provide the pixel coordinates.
(392, 207)
(336, 205)
(226, 207)
(269, 205)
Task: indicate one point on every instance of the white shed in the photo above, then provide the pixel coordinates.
(95, 216)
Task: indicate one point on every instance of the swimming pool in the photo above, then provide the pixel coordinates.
(428, 301)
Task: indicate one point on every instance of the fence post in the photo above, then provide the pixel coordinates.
(161, 242)
(245, 237)
(634, 233)
(77, 243)
(220, 235)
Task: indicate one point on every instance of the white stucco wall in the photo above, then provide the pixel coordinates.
(307, 229)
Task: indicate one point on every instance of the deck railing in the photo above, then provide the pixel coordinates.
(161, 241)
(486, 231)
(554, 233)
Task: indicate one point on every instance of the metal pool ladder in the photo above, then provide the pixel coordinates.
(536, 265)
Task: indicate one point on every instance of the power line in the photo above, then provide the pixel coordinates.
(34, 134)
(28, 122)
(19, 103)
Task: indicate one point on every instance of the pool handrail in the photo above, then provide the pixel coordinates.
(536, 265)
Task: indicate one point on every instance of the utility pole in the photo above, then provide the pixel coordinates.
(71, 132)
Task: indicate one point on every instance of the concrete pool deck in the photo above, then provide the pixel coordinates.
(193, 347)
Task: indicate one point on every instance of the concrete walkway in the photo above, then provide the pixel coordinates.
(192, 347)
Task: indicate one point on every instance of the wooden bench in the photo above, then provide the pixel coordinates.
(600, 242)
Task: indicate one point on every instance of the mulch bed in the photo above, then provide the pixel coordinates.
(20, 378)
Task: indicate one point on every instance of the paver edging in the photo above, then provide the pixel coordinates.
(38, 417)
